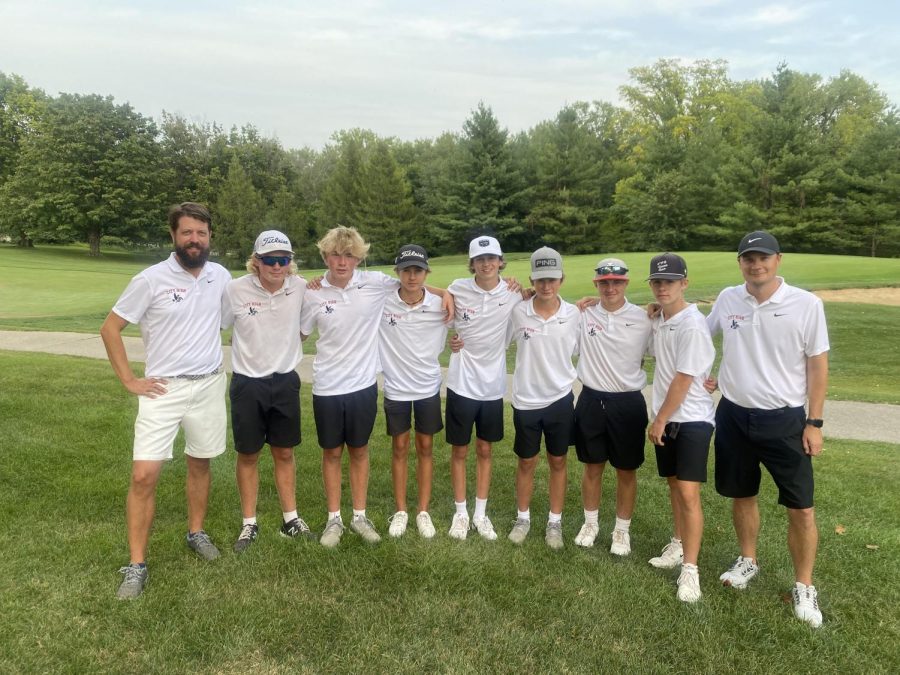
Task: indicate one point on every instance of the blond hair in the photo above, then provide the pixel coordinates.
(343, 241)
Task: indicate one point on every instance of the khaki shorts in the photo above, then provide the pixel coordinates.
(197, 406)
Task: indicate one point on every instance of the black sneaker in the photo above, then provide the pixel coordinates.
(296, 528)
(248, 535)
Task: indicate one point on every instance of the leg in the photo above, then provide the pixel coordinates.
(482, 468)
(399, 471)
(676, 506)
(558, 477)
(525, 482)
(424, 468)
(359, 476)
(285, 477)
(140, 506)
(745, 514)
(199, 479)
(690, 517)
(592, 485)
(626, 493)
(331, 477)
(247, 476)
(803, 541)
(458, 454)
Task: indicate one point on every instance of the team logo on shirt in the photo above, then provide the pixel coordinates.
(176, 295)
(391, 319)
(467, 314)
(252, 311)
(594, 329)
(328, 306)
(736, 320)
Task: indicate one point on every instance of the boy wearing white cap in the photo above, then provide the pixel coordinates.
(264, 309)
(545, 330)
(683, 415)
(413, 332)
(476, 378)
(611, 413)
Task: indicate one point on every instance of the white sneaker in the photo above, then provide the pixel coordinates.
(398, 523)
(689, 584)
(485, 528)
(331, 536)
(426, 527)
(365, 529)
(519, 530)
(459, 527)
(806, 604)
(740, 573)
(553, 535)
(587, 534)
(621, 542)
(671, 556)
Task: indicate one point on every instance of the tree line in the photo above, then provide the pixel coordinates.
(689, 160)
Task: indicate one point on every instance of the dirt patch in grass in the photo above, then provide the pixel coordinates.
(871, 296)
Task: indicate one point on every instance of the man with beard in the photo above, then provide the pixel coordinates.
(177, 304)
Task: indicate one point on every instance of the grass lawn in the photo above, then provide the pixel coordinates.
(409, 605)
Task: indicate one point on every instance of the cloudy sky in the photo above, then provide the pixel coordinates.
(301, 70)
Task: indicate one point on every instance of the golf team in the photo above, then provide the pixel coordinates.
(772, 378)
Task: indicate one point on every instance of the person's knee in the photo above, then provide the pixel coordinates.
(282, 455)
(626, 476)
(802, 518)
(594, 471)
(246, 460)
(483, 449)
(144, 478)
(527, 465)
(556, 462)
(459, 452)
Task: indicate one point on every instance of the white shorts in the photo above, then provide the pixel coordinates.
(198, 406)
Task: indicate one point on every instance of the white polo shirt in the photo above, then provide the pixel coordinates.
(478, 371)
(410, 341)
(683, 345)
(613, 345)
(544, 349)
(266, 336)
(347, 319)
(765, 346)
(179, 316)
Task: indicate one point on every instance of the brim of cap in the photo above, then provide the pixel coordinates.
(668, 276)
(279, 249)
(412, 263)
(758, 249)
(547, 275)
(610, 276)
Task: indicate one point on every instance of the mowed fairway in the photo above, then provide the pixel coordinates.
(407, 606)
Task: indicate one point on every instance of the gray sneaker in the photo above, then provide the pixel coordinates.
(202, 545)
(331, 536)
(133, 583)
(365, 529)
(519, 530)
(553, 536)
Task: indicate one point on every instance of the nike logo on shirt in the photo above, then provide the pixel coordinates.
(776, 314)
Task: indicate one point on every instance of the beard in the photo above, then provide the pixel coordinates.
(189, 261)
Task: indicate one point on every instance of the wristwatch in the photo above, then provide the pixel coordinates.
(815, 422)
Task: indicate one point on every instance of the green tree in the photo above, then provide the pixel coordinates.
(387, 210)
(239, 213)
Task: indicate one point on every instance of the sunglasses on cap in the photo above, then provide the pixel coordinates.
(611, 269)
(271, 260)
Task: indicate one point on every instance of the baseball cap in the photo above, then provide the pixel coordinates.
(484, 246)
(668, 266)
(611, 268)
(546, 264)
(271, 240)
(759, 241)
(411, 255)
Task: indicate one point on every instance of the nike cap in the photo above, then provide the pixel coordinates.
(271, 241)
(760, 241)
(411, 255)
(668, 266)
(484, 246)
(546, 264)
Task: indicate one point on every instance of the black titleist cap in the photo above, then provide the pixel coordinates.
(411, 255)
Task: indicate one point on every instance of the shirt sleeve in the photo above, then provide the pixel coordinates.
(712, 321)
(308, 314)
(695, 354)
(227, 311)
(135, 300)
(816, 334)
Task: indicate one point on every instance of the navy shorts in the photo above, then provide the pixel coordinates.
(427, 411)
(611, 426)
(462, 413)
(346, 418)
(748, 437)
(686, 451)
(556, 422)
(265, 410)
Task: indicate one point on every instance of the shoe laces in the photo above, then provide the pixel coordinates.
(246, 532)
(201, 538)
(555, 526)
(362, 521)
(132, 573)
(806, 596)
(619, 536)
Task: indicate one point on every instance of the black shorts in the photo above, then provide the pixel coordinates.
(346, 418)
(556, 422)
(265, 410)
(461, 413)
(611, 426)
(746, 437)
(684, 456)
(427, 411)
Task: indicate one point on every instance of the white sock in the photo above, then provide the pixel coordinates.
(359, 513)
(288, 515)
(461, 509)
(250, 521)
(335, 514)
(554, 518)
(480, 508)
(524, 515)
(622, 524)
(591, 517)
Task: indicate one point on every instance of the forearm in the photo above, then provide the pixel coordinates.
(111, 333)
(817, 384)
(675, 395)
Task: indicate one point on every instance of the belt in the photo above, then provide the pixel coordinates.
(198, 377)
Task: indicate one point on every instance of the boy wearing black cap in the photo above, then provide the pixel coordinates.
(682, 414)
(774, 361)
(412, 334)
